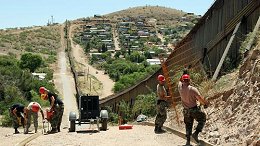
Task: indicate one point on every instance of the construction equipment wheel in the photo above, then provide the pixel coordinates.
(104, 124)
(72, 126)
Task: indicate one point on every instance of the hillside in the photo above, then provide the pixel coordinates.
(163, 15)
(44, 40)
(157, 12)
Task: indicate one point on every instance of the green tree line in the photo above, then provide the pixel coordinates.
(18, 85)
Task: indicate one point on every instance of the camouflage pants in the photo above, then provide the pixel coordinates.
(15, 121)
(161, 113)
(189, 116)
(57, 116)
(35, 120)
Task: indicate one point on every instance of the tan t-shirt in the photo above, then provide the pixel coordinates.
(188, 95)
(161, 92)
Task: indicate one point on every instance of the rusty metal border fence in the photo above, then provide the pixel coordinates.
(204, 45)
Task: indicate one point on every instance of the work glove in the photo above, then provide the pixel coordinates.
(19, 120)
(44, 121)
(52, 109)
(206, 104)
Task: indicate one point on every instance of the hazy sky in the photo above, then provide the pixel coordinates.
(20, 13)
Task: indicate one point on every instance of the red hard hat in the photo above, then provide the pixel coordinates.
(42, 90)
(185, 77)
(161, 78)
(35, 107)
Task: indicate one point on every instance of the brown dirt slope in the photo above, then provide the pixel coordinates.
(234, 118)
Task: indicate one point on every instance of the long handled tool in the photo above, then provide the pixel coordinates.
(43, 127)
(168, 81)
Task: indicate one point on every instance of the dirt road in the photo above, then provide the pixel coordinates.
(138, 136)
(115, 38)
(80, 57)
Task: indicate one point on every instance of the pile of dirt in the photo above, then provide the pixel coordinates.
(234, 118)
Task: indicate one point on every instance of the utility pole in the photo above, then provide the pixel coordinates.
(51, 19)
(88, 74)
(84, 76)
(90, 84)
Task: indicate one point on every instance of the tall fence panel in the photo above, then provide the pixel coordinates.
(203, 47)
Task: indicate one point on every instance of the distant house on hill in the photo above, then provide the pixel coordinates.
(98, 55)
(139, 23)
(126, 24)
(88, 26)
(152, 21)
(143, 33)
(40, 76)
(106, 41)
(97, 16)
(153, 61)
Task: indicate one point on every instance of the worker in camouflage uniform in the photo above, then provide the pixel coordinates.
(56, 105)
(161, 105)
(189, 97)
(17, 114)
(32, 110)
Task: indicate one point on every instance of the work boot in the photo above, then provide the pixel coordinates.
(58, 128)
(26, 131)
(195, 136)
(16, 131)
(159, 130)
(155, 129)
(53, 130)
(188, 142)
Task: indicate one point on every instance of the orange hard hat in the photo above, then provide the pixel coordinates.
(35, 107)
(185, 77)
(161, 78)
(44, 96)
(42, 90)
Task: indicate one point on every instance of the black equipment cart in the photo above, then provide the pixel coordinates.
(89, 113)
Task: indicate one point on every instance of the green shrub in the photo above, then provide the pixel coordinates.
(6, 120)
(145, 104)
(125, 111)
(113, 117)
(31, 61)
(51, 59)
(19, 86)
